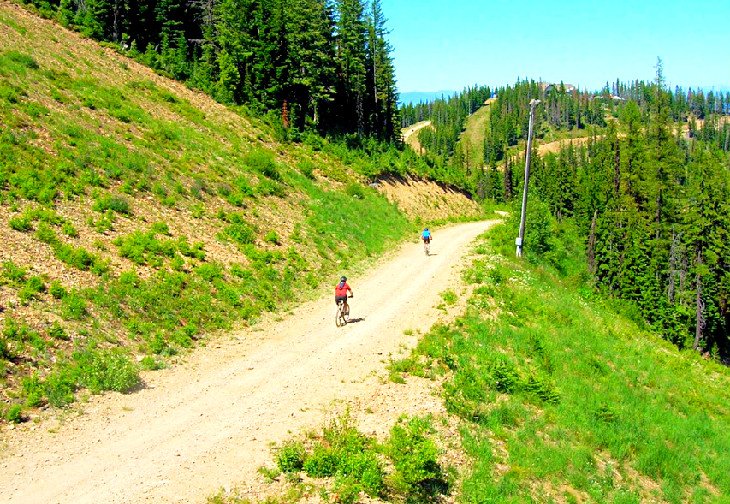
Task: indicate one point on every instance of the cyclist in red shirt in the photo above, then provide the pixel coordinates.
(341, 290)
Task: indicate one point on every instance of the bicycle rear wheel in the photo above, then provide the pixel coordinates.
(338, 316)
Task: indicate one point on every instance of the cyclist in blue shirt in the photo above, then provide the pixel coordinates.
(426, 237)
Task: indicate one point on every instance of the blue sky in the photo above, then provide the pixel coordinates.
(447, 45)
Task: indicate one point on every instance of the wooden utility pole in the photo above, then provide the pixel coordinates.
(520, 239)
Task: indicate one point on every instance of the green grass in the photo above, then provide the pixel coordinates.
(344, 462)
(561, 396)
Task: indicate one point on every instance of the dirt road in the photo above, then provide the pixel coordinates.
(410, 136)
(208, 422)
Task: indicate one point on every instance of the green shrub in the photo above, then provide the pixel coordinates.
(22, 59)
(45, 234)
(57, 331)
(57, 290)
(290, 457)
(306, 167)
(22, 222)
(100, 370)
(355, 190)
(414, 455)
(33, 286)
(59, 387)
(145, 248)
(240, 232)
(151, 364)
(69, 230)
(272, 237)
(116, 204)
(73, 306)
(263, 162)
(15, 414)
(268, 187)
(322, 462)
(160, 228)
(13, 273)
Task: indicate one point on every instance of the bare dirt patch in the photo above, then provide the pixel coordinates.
(427, 200)
(558, 145)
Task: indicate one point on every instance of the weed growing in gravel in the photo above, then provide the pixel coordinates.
(357, 464)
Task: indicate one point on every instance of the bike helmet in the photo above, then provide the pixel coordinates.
(426, 229)
(343, 279)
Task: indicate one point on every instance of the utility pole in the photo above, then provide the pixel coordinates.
(520, 239)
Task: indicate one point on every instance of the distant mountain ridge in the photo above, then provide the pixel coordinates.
(423, 96)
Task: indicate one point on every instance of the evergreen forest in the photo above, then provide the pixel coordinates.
(648, 189)
(312, 64)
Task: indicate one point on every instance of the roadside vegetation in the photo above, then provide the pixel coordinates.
(343, 465)
(566, 396)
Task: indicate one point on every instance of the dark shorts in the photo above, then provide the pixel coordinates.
(427, 240)
(340, 299)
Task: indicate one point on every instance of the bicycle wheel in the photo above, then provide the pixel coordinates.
(346, 315)
(427, 248)
(338, 315)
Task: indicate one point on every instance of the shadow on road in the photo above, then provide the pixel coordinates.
(355, 320)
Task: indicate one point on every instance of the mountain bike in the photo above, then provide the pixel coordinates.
(427, 247)
(342, 317)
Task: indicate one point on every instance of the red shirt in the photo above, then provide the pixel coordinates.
(342, 291)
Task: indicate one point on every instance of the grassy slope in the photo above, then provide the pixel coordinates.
(136, 214)
(565, 400)
(472, 139)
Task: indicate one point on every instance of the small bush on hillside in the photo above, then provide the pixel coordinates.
(306, 167)
(268, 187)
(146, 248)
(264, 163)
(57, 290)
(355, 190)
(114, 203)
(240, 232)
(73, 306)
(57, 331)
(24, 60)
(45, 234)
(272, 238)
(32, 288)
(69, 230)
(21, 223)
(13, 273)
(99, 370)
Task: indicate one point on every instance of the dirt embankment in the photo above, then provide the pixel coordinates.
(427, 200)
